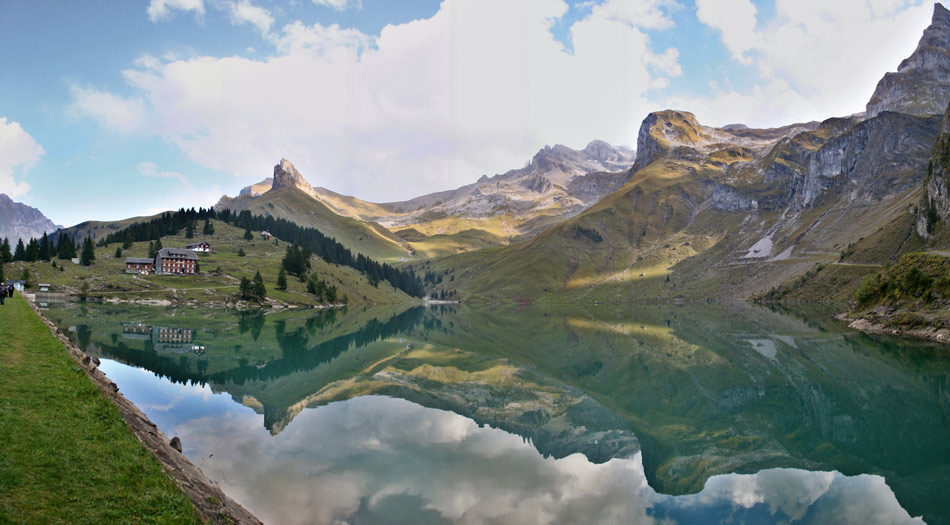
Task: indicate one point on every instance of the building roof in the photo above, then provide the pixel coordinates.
(177, 252)
(138, 260)
(195, 244)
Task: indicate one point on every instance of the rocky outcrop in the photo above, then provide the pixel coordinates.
(868, 159)
(19, 221)
(286, 175)
(257, 189)
(921, 85)
(558, 182)
(935, 203)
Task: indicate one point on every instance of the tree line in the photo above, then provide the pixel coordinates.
(310, 239)
(47, 248)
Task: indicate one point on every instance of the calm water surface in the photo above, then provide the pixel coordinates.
(697, 414)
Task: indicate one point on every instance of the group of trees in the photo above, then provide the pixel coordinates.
(154, 247)
(309, 241)
(326, 248)
(47, 248)
(253, 290)
(323, 291)
(168, 223)
(297, 261)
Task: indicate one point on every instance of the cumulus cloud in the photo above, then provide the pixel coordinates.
(244, 12)
(163, 9)
(735, 20)
(648, 14)
(18, 151)
(815, 50)
(422, 106)
(109, 110)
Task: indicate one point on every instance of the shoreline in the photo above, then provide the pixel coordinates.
(876, 326)
(211, 503)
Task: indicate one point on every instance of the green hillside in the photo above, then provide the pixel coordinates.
(220, 274)
(290, 203)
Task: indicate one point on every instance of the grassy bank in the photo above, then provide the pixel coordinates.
(68, 457)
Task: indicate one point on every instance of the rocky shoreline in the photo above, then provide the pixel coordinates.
(881, 325)
(211, 503)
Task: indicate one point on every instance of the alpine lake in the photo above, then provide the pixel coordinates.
(700, 413)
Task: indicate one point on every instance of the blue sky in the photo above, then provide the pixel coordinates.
(112, 109)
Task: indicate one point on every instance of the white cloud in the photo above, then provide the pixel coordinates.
(244, 12)
(426, 105)
(150, 169)
(339, 5)
(829, 53)
(109, 110)
(735, 19)
(334, 43)
(162, 9)
(647, 14)
(18, 151)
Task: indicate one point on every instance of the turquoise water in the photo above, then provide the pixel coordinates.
(696, 414)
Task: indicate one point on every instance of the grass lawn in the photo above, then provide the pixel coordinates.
(68, 457)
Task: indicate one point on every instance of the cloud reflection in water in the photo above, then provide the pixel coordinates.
(376, 459)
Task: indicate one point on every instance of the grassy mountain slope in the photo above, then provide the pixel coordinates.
(290, 203)
(718, 213)
(221, 272)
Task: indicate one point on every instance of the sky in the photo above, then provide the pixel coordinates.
(111, 109)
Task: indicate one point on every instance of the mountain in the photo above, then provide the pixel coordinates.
(557, 183)
(291, 197)
(921, 85)
(735, 211)
(19, 221)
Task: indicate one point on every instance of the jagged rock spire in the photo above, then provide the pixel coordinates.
(921, 85)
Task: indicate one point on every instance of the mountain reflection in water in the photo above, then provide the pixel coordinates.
(736, 413)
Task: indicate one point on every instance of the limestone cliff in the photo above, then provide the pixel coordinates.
(921, 85)
(935, 203)
(19, 221)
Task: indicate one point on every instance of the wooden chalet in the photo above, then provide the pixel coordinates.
(199, 247)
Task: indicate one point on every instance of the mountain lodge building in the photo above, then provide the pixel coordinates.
(175, 261)
(199, 247)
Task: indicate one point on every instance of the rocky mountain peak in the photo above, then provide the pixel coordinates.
(286, 175)
(19, 221)
(921, 85)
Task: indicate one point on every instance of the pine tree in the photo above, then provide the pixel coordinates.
(45, 251)
(209, 228)
(118, 252)
(248, 235)
(153, 248)
(32, 251)
(64, 247)
(127, 240)
(245, 288)
(5, 255)
(241, 252)
(282, 280)
(258, 289)
(190, 230)
(88, 252)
